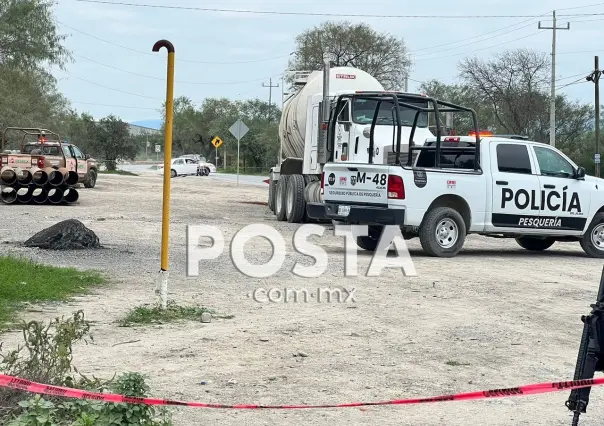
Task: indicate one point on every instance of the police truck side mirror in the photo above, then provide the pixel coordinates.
(580, 173)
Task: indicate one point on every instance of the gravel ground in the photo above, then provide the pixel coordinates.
(495, 316)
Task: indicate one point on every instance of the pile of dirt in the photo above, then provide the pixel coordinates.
(69, 234)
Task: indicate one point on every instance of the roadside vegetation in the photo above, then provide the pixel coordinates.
(24, 281)
(45, 356)
(146, 315)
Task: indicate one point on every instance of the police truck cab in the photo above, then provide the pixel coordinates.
(450, 186)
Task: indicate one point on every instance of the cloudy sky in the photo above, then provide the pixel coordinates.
(229, 54)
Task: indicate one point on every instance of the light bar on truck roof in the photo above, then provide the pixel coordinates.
(390, 91)
(481, 134)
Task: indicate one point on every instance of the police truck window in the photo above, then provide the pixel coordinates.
(512, 158)
(553, 164)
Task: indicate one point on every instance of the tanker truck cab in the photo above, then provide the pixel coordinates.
(326, 120)
(458, 185)
(352, 132)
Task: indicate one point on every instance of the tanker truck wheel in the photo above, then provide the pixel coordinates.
(271, 193)
(295, 206)
(281, 198)
(307, 181)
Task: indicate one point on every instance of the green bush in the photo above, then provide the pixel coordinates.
(46, 357)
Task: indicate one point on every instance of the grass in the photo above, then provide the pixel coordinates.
(144, 315)
(456, 364)
(118, 172)
(24, 281)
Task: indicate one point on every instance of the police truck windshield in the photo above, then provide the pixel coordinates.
(363, 111)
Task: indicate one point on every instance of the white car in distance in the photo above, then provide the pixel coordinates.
(181, 167)
(203, 164)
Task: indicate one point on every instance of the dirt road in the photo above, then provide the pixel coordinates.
(495, 316)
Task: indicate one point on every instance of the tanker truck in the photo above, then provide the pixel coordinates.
(308, 142)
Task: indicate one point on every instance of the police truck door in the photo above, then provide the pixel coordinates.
(566, 200)
(516, 195)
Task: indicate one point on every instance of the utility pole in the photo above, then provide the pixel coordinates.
(270, 96)
(552, 112)
(407, 82)
(595, 77)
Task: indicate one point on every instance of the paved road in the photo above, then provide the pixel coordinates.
(229, 177)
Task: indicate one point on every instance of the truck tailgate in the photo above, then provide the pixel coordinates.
(356, 183)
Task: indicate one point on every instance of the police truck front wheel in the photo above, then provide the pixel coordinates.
(443, 232)
(593, 240)
(535, 244)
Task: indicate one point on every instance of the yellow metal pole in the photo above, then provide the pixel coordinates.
(167, 168)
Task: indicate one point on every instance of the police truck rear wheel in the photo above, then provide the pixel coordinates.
(443, 232)
(593, 240)
(281, 198)
(535, 244)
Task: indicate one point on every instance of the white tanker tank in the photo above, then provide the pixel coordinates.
(292, 127)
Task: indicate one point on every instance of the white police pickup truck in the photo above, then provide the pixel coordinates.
(519, 189)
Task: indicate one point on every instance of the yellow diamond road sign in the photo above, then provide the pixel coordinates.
(216, 142)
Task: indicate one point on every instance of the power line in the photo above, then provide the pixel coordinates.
(114, 106)
(479, 41)
(578, 81)
(178, 59)
(477, 36)
(111, 88)
(574, 52)
(268, 59)
(163, 79)
(582, 7)
(349, 15)
(478, 50)
(125, 92)
(284, 56)
(572, 76)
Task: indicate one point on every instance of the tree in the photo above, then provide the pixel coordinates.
(461, 94)
(513, 85)
(510, 94)
(77, 129)
(195, 127)
(111, 141)
(28, 35)
(29, 42)
(356, 45)
(29, 98)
